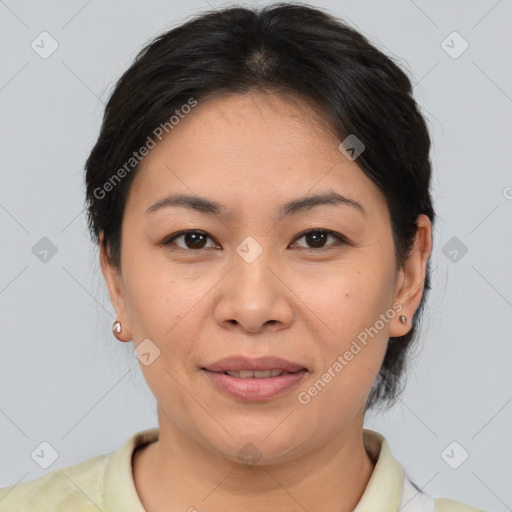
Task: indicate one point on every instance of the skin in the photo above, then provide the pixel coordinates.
(252, 153)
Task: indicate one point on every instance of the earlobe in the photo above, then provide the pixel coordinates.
(412, 275)
(113, 280)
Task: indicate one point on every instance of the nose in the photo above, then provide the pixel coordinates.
(254, 295)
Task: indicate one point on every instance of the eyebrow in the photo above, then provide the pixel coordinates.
(204, 205)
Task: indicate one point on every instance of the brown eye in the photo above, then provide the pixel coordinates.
(317, 238)
(193, 240)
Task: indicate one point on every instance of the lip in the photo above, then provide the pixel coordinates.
(237, 363)
(255, 390)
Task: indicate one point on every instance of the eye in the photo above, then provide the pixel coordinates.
(192, 239)
(197, 240)
(317, 238)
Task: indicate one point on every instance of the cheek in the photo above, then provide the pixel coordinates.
(352, 349)
(162, 309)
(353, 346)
(352, 298)
(156, 299)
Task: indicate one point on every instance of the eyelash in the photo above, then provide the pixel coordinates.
(340, 239)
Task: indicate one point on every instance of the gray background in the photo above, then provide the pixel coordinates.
(64, 379)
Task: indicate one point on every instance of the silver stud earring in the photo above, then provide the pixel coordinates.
(403, 319)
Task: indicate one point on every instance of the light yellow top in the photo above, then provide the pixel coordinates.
(105, 483)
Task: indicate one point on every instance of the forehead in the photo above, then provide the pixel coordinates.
(257, 122)
(261, 108)
(253, 147)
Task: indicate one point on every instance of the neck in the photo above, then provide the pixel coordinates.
(178, 473)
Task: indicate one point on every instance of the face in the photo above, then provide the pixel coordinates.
(304, 283)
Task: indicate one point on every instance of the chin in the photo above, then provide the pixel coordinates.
(261, 444)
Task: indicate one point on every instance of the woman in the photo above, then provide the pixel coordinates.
(260, 195)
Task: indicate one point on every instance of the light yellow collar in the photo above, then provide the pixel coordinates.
(383, 492)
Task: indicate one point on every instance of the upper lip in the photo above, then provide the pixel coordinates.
(237, 363)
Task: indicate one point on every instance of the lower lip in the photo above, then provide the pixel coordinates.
(255, 390)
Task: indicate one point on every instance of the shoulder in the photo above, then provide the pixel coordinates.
(101, 482)
(391, 482)
(77, 487)
(446, 505)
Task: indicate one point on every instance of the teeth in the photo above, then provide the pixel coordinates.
(260, 374)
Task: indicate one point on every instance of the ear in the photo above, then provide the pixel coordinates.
(114, 283)
(411, 277)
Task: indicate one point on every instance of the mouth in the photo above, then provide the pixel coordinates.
(254, 380)
(257, 374)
